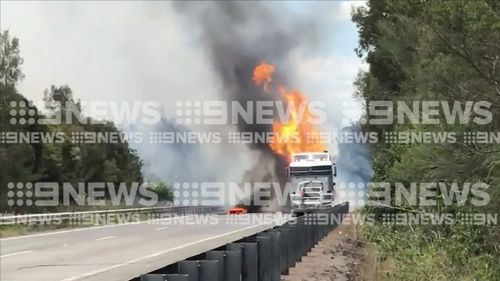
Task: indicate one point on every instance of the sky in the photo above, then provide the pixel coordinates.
(114, 51)
(127, 50)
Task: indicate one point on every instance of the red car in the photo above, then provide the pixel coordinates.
(237, 211)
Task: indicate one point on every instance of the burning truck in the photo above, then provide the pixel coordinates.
(312, 176)
(310, 167)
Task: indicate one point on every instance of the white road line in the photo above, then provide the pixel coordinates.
(88, 228)
(88, 274)
(105, 238)
(161, 228)
(16, 253)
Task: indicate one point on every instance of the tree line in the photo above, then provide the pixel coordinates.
(434, 51)
(60, 162)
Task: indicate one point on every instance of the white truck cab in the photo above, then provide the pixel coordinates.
(312, 176)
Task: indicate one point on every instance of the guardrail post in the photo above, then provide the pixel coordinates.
(315, 228)
(275, 254)
(219, 257)
(311, 232)
(305, 236)
(232, 271)
(229, 264)
(286, 248)
(200, 270)
(249, 260)
(209, 271)
(320, 224)
(190, 268)
(292, 245)
(312, 226)
(300, 238)
(264, 252)
(327, 224)
(333, 221)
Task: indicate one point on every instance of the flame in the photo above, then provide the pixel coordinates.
(295, 135)
(262, 75)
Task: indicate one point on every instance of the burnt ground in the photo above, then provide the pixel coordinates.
(339, 256)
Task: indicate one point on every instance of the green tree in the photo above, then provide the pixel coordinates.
(10, 60)
(60, 162)
(163, 191)
(434, 51)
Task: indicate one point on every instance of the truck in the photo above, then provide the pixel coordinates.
(312, 177)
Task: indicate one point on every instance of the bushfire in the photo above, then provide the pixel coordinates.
(297, 134)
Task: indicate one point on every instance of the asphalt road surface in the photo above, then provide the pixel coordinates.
(120, 252)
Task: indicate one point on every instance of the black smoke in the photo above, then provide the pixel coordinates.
(239, 36)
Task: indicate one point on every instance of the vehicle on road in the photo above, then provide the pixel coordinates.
(312, 175)
(237, 211)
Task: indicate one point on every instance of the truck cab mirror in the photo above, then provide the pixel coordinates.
(287, 171)
(334, 170)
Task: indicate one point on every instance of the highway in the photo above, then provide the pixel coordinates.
(119, 252)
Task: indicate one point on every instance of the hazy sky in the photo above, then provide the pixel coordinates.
(131, 50)
(113, 51)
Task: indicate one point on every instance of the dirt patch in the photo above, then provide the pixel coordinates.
(339, 256)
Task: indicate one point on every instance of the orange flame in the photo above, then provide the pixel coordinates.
(296, 135)
(262, 75)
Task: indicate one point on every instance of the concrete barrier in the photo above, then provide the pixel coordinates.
(274, 251)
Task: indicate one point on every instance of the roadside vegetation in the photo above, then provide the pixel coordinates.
(433, 51)
(65, 161)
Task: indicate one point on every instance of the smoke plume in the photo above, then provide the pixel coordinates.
(175, 51)
(237, 37)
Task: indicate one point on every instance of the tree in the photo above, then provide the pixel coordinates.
(10, 60)
(59, 161)
(435, 51)
(163, 191)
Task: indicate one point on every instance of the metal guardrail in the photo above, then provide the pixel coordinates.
(262, 257)
(65, 216)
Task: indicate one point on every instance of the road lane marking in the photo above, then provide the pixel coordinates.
(16, 253)
(161, 228)
(105, 238)
(98, 271)
(90, 228)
